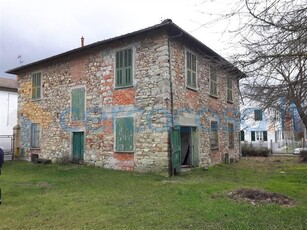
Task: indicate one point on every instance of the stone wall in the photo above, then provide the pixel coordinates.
(148, 101)
(145, 101)
(199, 105)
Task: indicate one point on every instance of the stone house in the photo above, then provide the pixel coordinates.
(154, 100)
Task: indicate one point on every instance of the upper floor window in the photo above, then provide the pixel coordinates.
(213, 81)
(36, 86)
(229, 90)
(78, 104)
(35, 135)
(191, 70)
(258, 114)
(124, 72)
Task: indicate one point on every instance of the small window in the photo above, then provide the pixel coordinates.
(78, 104)
(229, 90)
(35, 135)
(258, 115)
(36, 86)
(214, 135)
(191, 70)
(124, 128)
(213, 81)
(230, 135)
(124, 74)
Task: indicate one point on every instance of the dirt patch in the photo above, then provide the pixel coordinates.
(256, 196)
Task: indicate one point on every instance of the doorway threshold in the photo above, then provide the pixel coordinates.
(186, 168)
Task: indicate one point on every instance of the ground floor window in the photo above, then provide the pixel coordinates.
(230, 135)
(35, 135)
(259, 136)
(214, 135)
(124, 134)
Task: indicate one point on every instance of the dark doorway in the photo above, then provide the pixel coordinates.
(189, 147)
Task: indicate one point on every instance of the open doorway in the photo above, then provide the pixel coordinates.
(189, 147)
(184, 148)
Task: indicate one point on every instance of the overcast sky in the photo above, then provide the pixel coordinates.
(37, 29)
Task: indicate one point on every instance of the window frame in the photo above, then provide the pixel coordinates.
(35, 87)
(72, 112)
(231, 136)
(192, 69)
(229, 90)
(35, 136)
(258, 115)
(213, 83)
(118, 85)
(116, 141)
(259, 136)
(214, 135)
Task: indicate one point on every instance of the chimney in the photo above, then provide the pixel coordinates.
(82, 41)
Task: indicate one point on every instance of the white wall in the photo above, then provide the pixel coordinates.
(8, 116)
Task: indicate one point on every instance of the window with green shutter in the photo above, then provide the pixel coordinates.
(191, 70)
(123, 72)
(214, 135)
(253, 136)
(35, 135)
(213, 81)
(265, 135)
(36, 86)
(231, 139)
(229, 90)
(242, 137)
(124, 131)
(78, 104)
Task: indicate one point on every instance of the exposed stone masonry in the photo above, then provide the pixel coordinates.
(148, 101)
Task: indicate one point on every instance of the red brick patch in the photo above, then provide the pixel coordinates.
(124, 96)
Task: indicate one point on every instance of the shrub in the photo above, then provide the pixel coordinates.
(254, 152)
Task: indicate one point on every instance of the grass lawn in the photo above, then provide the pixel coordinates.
(82, 197)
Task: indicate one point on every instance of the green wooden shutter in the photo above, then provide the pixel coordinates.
(191, 70)
(176, 150)
(242, 135)
(78, 146)
(78, 104)
(253, 135)
(124, 134)
(265, 135)
(35, 135)
(124, 75)
(36, 86)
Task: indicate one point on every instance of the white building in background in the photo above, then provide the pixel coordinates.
(279, 130)
(8, 111)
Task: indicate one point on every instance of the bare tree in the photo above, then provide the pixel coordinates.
(273, 34)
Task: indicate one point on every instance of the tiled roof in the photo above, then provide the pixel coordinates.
(173, 31)
(8, 83)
